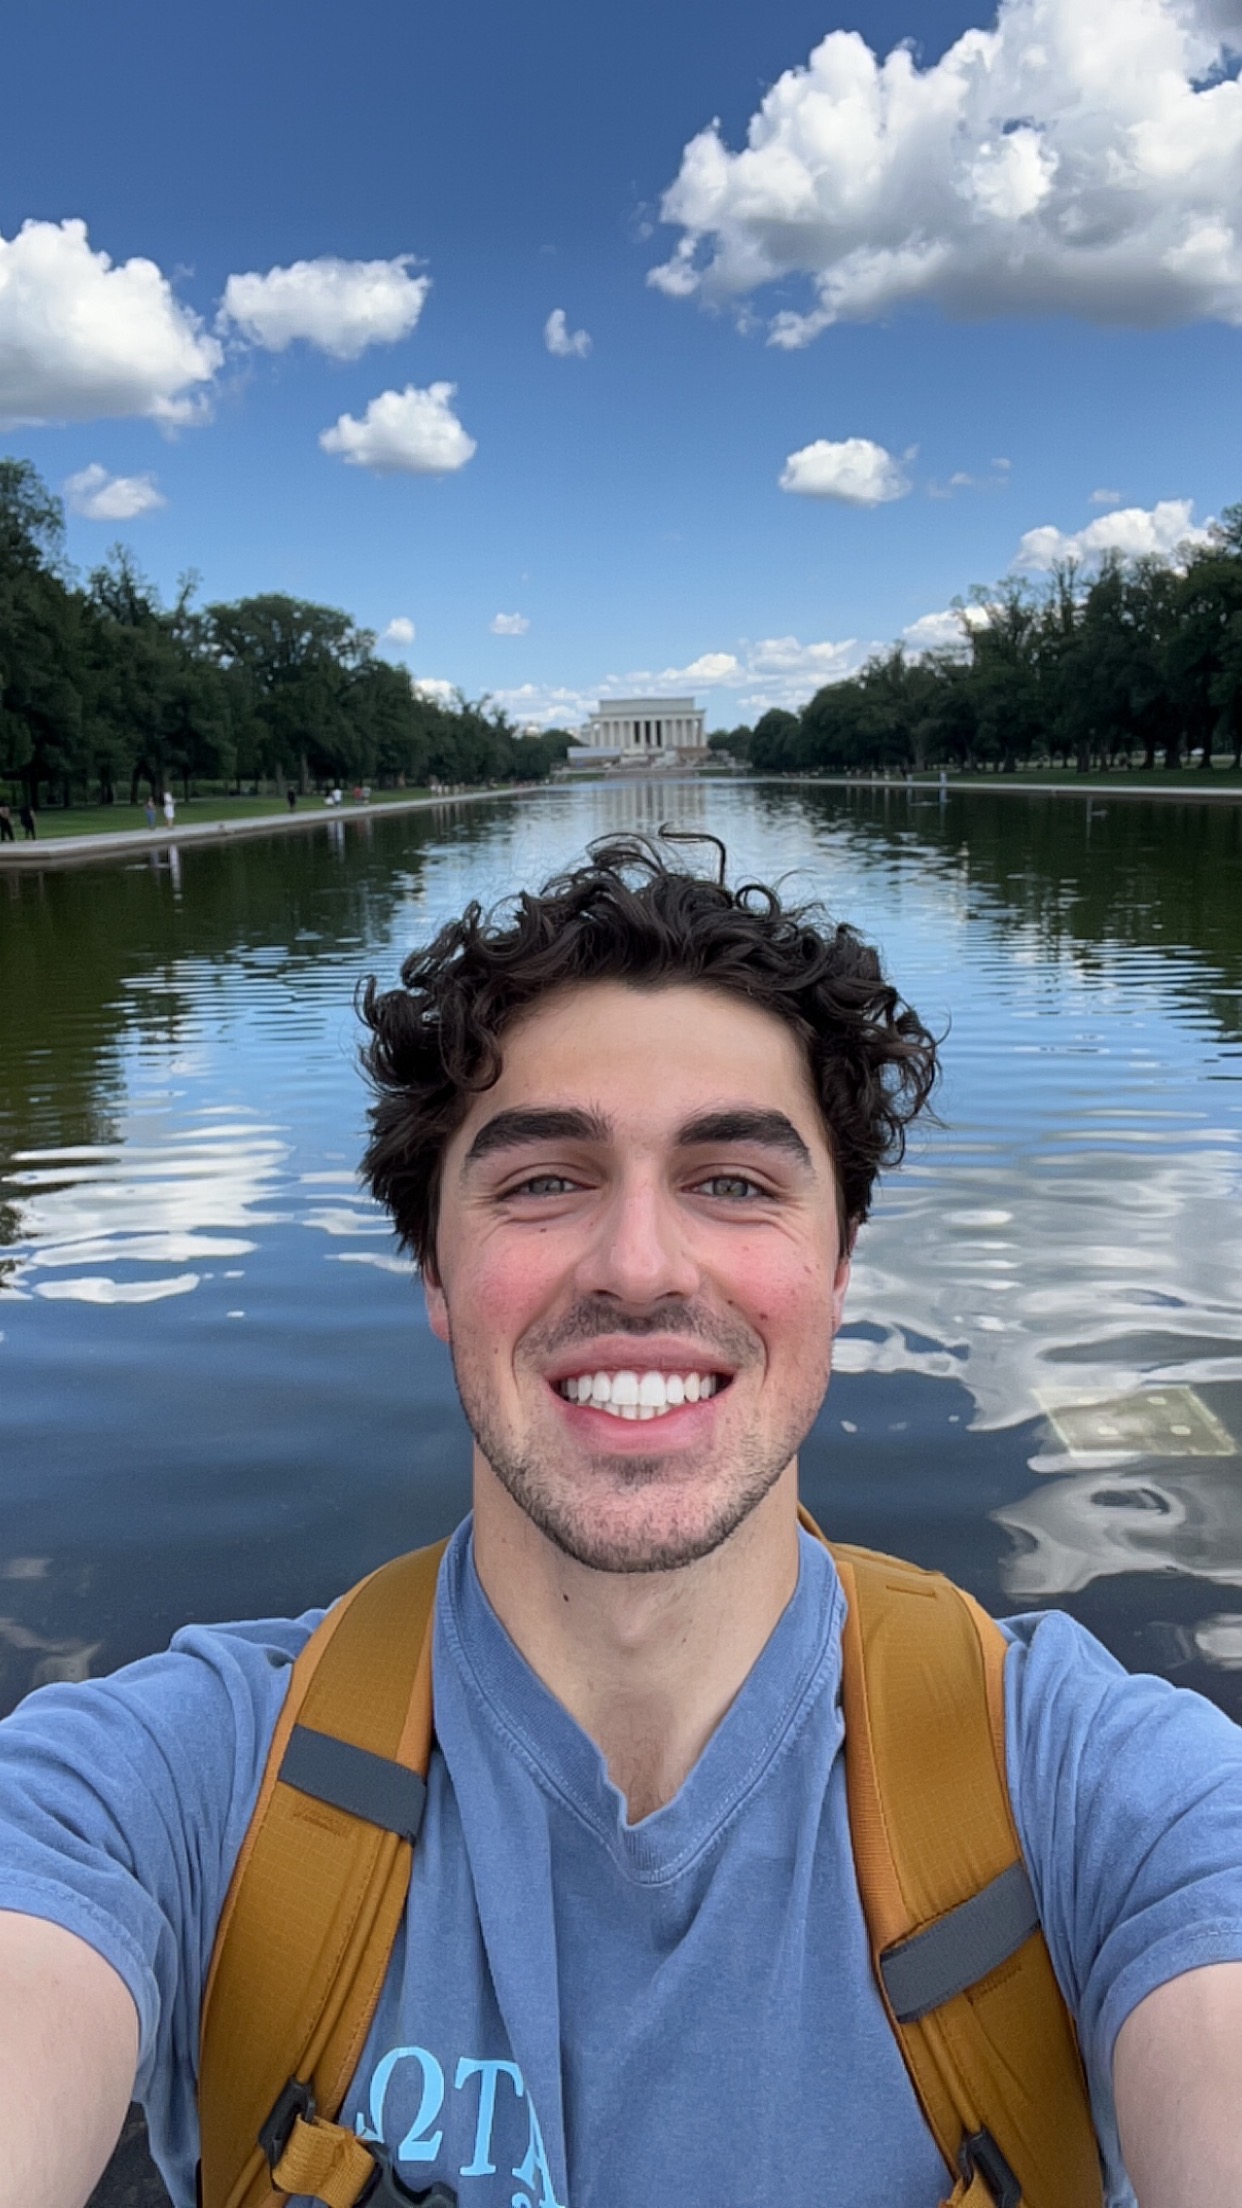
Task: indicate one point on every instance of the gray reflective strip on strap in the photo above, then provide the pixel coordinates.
(355, 1780)
(960, 1948)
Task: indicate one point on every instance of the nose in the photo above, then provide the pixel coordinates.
(640, 1252)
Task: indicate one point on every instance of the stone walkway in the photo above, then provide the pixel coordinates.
(312, 814)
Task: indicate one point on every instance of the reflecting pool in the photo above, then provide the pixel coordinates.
(218, 1392)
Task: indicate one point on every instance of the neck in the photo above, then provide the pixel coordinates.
(646, 1662)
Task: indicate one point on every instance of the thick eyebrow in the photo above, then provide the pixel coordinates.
(511, 1130)
(771, 1130)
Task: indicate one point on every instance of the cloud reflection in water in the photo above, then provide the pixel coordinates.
(143, 1202)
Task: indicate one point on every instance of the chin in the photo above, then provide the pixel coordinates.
(645, 1524)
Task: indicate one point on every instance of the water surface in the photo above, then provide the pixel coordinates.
(218, 1393)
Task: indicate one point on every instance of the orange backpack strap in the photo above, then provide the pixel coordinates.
(315, 1902)
(317, 1895)
(959, 1956)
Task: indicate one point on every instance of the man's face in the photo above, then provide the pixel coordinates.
(638, 1270)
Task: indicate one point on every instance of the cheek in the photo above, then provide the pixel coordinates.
(787, 1297)
(498, 1288)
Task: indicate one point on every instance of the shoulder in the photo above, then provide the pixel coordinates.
(124, 1801)
(1127, 1792)
(184, 1733)
(1077, 1718)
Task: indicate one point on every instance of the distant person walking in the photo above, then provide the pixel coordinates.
(6, 825)
(170, 810)
(27, 819)
(291, 798)
(150, 812)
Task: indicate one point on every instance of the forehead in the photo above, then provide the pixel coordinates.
(650, 1055)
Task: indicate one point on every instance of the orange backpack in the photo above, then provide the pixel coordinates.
(320, 1885)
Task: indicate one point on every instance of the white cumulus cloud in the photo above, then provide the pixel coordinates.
(508, 624)
(103, 497)
(1136, 532)
(741, 684)
(567, 344)
(934, 632)
(782, 671)
(81, 338)
(853, 470)
(400, 632)
(945, 631)
(774, 670)
(408, 432)
(784, 655)
(1077, 156)
(538, 705)
(434, 687)
(339, 306)
(708, 672)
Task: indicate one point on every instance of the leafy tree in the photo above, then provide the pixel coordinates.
(40, 701)
(1204, 647)
(774, 745)
(734, 742)
(296, 661)
(106, 686)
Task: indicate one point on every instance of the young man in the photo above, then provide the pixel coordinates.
(630, 1129)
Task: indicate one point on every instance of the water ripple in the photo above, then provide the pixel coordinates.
(181, 1116)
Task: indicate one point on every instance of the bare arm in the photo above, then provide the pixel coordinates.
(68, 2055)
(1177, 2073)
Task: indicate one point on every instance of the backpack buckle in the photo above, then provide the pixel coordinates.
(981, 2153)
(294, 2100)
(387, 2190)
(382, 2190)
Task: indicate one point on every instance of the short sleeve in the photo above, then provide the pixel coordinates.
(123, 1803)
(1128, 1798)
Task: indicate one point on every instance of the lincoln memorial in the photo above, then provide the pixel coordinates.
(633, 732)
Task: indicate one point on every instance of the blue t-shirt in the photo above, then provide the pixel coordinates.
(584, 2013)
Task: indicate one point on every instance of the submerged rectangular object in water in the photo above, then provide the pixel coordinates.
(1155, 1422)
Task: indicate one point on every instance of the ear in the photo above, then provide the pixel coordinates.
(436, 1302)
(840, 1282)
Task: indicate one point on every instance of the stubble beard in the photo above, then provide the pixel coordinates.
(569, 1518)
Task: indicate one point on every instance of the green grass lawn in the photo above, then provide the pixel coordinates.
(112, 820)
(96, 820)
(1222, 777)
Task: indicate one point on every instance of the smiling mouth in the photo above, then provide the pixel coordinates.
(637, 1394)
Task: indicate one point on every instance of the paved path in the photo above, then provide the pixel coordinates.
(960, 785)
(63, 850)
(57, 850)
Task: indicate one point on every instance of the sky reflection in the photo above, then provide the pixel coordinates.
(181, 1116)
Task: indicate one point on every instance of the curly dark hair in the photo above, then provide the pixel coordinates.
(625, 914)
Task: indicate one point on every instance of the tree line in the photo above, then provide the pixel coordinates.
(105, 689)
(1138, 664)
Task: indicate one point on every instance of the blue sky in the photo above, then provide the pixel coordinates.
(954, 308)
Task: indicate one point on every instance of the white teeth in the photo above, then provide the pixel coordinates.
(644, 1395)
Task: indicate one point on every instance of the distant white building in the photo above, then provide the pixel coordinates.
(642, 732)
